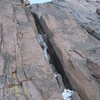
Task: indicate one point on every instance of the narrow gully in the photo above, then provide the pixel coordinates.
(52, 58)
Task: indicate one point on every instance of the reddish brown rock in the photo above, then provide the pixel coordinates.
(73, 46)
(24, 72)
(19, 49)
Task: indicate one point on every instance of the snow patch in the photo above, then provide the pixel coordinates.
(39, 1)
(67, 94)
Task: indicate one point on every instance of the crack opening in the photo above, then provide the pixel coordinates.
(51, 56)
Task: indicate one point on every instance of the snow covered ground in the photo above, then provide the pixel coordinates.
(39, 1)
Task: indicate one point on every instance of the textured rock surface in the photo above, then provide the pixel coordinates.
(78, 50)
(71, 29)
(24, 73)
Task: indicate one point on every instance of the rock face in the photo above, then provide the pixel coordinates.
(47, 48)
(24, 73)
(78, 51)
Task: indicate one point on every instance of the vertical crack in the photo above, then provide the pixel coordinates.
(53, 60)
(51, 56)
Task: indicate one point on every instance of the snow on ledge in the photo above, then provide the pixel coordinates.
(39, 1)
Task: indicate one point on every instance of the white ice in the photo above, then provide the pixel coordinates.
(67, 94)
(39, 1)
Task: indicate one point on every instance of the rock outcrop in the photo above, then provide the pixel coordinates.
(78, 51)
(24, 72)
(47, 49)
